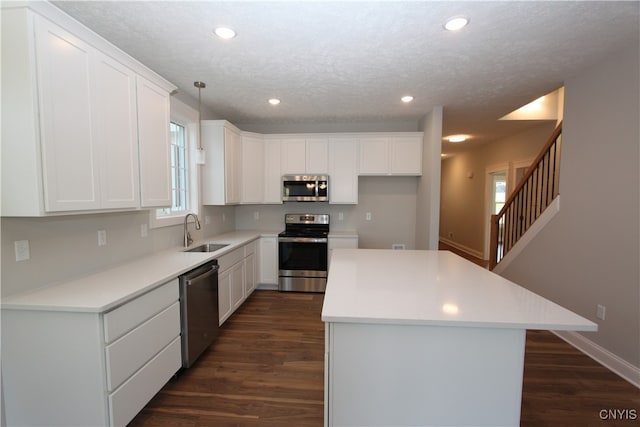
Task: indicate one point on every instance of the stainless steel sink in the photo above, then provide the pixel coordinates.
(207, 247)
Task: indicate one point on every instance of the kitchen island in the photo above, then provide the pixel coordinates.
(427, 338)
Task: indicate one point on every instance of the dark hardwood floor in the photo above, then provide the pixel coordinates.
(266, 369)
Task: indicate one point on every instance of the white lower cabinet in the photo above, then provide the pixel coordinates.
(268, 261)
(98, 369)
(236, 279)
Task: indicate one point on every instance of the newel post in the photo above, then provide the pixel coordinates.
(493, 245)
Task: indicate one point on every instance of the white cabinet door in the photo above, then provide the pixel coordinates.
(237, 285)
(253, 164)
(116, 132)
(294, 156)
(154, 144)
(69, 153)
(393, 155)
(250, 274)
(343, 160)
(221, 175)
(374, 156)
(232, 163)
(268, 261)
(224, 295)
(305, 155)
(406, 155)
(317, 155)
(272, 172)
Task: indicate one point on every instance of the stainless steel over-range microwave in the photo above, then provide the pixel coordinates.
(305, 188)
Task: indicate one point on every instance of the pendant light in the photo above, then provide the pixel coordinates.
(200, 158)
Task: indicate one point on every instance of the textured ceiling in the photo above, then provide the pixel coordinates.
(348, 61)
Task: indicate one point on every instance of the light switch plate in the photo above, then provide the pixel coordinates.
(22, 250)
(102, 237)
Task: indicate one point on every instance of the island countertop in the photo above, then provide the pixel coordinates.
(434, 288)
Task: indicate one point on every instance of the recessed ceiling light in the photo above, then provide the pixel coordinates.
(274, 101)
(457, 138)
(225, 33)
(456, 23)
(407, 98)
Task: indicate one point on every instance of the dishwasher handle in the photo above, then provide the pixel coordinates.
(200, 274)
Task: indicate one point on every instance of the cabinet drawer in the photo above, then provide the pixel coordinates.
(131, 397)
(129, 353)
(126, 317)
(231, 258)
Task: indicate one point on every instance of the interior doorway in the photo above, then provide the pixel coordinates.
(496, 192)
(500, 181)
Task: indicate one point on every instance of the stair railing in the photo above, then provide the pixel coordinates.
(535, 191)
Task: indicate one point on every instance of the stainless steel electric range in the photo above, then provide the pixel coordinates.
(302, 249)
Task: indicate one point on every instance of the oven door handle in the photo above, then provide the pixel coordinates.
(302, 239)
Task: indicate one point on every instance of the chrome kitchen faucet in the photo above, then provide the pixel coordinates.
(187, 237)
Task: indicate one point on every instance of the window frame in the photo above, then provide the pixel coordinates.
(187, 117)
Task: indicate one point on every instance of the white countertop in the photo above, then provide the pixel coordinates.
(434, 288)
(108, 289)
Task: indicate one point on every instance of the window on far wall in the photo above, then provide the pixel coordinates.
(499, 191)
(179, 173)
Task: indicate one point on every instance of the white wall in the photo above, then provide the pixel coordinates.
(66, 247)
(589, 253)
(428, 193)
(390, 200)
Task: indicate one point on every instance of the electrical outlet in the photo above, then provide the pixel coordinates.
(224, 217)
(451, 234)
(207, 220)
(22, 250)
(256, 215)
(398, 247)
(144, 230)
(102, 237)
(340, 216)
(367, 216)
(601, 311)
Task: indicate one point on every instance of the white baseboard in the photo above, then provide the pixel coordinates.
(462, 248)
(603, 356)
(267, 287)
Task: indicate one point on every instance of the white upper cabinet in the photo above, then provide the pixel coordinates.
(343, 161)
(317, 155)
(305, 155)
(154, 142)
(391, 155)
(116, 136)
(69, 150)
(253, 165)
(294, 155)
(221, 175)
(272, 172)
(78, 133)
(406, 155)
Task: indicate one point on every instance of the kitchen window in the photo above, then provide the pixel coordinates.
(184, 177)
(179, 170)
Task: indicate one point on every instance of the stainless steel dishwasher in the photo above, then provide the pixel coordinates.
(198, 311)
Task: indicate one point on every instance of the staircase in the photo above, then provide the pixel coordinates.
(536, 190)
